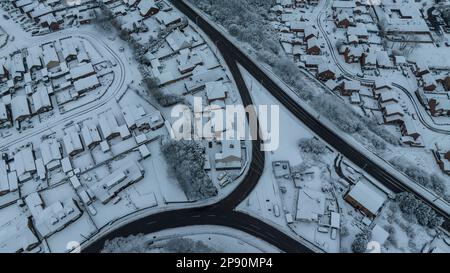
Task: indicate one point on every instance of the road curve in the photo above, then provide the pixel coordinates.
(329, 136)
(221, 213)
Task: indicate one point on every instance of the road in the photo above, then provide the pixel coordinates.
(223, 213)
(229, 50)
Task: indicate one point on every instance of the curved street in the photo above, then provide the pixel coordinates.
(118, 82)
(222, 212)
(433, 127)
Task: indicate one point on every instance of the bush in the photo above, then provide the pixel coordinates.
(187, 245)
(422, 177)
(153, 89)
(359, 245)
(312, 145)
(138, 244)
(187, 159)
(412, 208)
(130, 244)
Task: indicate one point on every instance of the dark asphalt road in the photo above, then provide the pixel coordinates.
(231, 51)
(222, 213)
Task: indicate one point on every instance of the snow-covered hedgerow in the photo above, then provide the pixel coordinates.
(141, 244)
(414, 208)
(420, 176)
(187, 160)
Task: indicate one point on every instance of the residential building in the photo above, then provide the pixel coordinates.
(366, 197)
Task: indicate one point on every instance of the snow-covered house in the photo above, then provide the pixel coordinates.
(409, 129)
(17, 235)
(348, 87)
(343, 20)
(112, 184)
(33, 58)
(50, 57)
(421, 68)
(439, 106)
(72, 142)
(383, 60)
(108, 125)
(85, 84)
(147, 8)
(49, 219)
(20, 108)
(41, 100)
(215, 91)
(352, 54)
(178, 40)
(428, 82)
(82, 71)
(393, 113)
(24, 163)
(51, 153)
(230, 156)
(200, 78)
(369, 60)
(388, 97)
(90, 134)
(313, 46)
(325, 72)
(366, 197)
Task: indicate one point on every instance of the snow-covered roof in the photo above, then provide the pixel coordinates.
(52, 218)
(24, 161)
(200, 78)
(177, 40)
(230, 155)
(383, 59)
(168, 18)
(352, 85)
(40, 98)
(81, 71)
(215, 90)
(85, 84)
(343, 4)
(50, 150)
(20, 107)
(389, 96)
(132, 113)
(69, 48)
(16, 235)
(368, 195)
(50, 56)
(90, 133)
(72, 141)
(146, 6)
(109, 186)
(108, 124)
